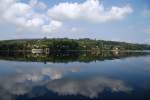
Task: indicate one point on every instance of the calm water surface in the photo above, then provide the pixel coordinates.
(112, 77)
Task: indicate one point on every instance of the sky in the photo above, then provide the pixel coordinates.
(116, 20)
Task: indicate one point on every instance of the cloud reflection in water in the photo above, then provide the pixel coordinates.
(54, 79)
(90, 87)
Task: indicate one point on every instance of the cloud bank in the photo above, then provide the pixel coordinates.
(90, 10)
(35, 16)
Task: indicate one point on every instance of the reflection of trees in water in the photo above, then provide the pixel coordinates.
(68, 56)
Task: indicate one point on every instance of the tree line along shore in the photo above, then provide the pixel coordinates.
(64, 44)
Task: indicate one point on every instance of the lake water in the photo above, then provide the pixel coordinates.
(75, 76)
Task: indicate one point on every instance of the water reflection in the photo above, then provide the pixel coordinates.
(23, 81)
(76, 78)
(69, 56)
(90, 87)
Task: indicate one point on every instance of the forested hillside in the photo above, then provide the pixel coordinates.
(69, 44)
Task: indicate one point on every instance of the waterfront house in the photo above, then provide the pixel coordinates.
(37, 51)
(118, 48)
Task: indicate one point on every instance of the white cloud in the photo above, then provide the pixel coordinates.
(35, 22)
(75, 30)
(147, 41)
(146, 13)
(147, 30)
(4, 4)
(25, 16)
(37, 4)
(35, 17)
(52, 27)
(90, 10)
(17, 11)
